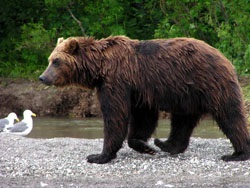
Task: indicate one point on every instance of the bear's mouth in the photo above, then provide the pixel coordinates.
(45, 80)
(55, 80)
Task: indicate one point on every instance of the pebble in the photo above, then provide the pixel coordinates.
(61, 162)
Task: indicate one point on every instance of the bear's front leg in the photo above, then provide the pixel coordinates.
(114, 135)
(115, 109)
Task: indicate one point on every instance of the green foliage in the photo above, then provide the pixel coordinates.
(247, 59)
(35, 37)
(223, 24)
(103, 17)
(29, 29)
(246, 92)
(141, 18)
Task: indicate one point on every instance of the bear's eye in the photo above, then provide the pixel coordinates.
(56, 62)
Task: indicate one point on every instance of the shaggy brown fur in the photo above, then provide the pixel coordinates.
(135, 79)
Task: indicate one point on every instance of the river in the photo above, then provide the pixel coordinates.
(92, 128)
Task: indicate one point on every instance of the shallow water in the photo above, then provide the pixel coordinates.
(93, 128)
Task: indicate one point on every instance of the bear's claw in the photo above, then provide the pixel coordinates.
(100, 158)
(240, 156)
(169, 147)
(141, 146)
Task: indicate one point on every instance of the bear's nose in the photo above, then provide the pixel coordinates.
(41, 78)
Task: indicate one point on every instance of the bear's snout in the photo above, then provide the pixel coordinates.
(44, 80)
(41, 78)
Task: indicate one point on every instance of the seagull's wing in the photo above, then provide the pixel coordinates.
(18, 127)
(3, 123)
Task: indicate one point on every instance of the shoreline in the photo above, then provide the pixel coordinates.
(61, 162)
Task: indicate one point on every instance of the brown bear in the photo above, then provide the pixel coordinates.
(137, 79)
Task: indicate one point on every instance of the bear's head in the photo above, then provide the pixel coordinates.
(69, 63)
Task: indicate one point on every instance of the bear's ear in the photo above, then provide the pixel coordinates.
(59, 40)
(72, 45)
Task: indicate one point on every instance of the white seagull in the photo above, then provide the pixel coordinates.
(23, 127)
(8, 121)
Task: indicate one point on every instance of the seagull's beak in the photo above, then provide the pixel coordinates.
(33, 114)
(17, 119)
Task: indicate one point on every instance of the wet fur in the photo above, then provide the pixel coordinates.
(135, 79)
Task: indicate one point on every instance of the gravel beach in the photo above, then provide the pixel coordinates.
(61, 162)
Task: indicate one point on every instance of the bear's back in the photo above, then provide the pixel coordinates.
(181, 70)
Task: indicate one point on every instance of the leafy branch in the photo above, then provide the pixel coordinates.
(77, 21)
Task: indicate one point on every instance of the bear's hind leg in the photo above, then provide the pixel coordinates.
(181, 129)
(142, 125)
(235, 128)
